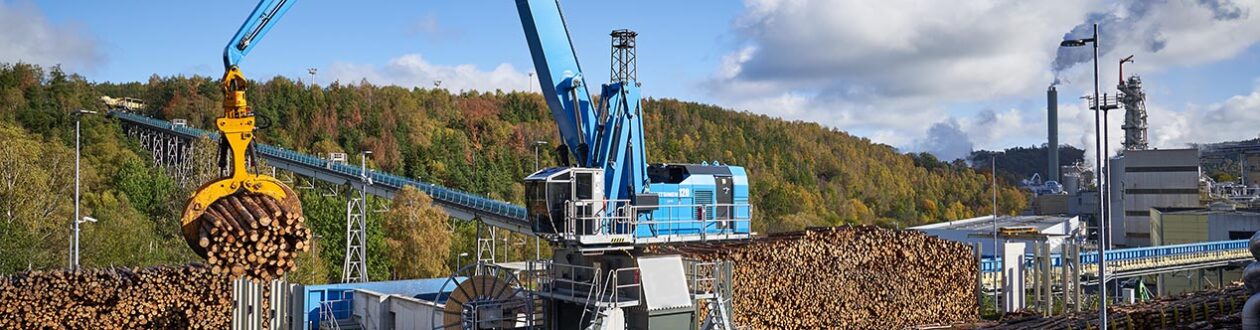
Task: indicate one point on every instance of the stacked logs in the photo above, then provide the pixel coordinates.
(189, 297)
(252, 235)
(1216, 309)
(846, 277)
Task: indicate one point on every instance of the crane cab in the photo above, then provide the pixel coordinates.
(684, 202)
(568, 204)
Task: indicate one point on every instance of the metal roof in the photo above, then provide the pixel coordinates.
(985, 223)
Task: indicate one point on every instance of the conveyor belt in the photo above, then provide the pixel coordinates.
(459, 204)
(1155, 259)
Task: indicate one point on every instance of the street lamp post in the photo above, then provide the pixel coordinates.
(536, 145)
(1102, 193)
(537, 245)
(74, 246)
(459, 259)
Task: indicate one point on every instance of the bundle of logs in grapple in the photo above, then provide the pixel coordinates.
(846, 277)
(252, 235)
(188, 297)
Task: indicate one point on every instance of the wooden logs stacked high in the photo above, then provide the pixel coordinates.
(846, 277)
(189, 297)
(252, 235)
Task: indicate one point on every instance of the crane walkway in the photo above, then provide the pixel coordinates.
(458, 204)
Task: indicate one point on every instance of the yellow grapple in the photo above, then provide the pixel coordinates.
(237, 128)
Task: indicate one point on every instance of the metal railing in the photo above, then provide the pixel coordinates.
(616, 287)
(328, 318)
(1135, 256)
(620, 218)
(695, 219)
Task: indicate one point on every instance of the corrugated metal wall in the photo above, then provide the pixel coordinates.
(248, 312)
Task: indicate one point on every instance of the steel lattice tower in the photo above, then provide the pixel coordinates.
(355, 267)
(1134, 100)
(625, 63)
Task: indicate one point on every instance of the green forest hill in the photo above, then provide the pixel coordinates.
(802, 174)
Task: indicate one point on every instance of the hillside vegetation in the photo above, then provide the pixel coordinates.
(802, 174)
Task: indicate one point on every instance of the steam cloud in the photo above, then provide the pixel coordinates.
(947, 141)
(1122, 26)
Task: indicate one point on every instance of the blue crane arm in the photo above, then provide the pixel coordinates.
(256, 26)
(560, 76)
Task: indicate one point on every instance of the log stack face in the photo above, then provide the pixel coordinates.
(253, 236)
(847, 277)
(189, 297)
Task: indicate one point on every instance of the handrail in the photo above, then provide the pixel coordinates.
(1129, 254)
(619, 217)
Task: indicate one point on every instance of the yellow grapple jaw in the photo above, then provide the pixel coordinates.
(237, 128)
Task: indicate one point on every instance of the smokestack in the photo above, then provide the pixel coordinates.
(1052, 128)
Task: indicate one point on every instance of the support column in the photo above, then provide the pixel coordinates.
(486, 238)
(354, 269)
(1013, 276)
(1036, 277)
(1065, 257)
(1048, 270)
(1076, 277)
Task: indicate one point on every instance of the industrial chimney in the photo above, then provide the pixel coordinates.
(1052, 128)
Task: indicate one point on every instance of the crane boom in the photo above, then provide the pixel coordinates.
(560, 76)
(259, 22)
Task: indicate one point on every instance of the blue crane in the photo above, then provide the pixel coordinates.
(610, 195)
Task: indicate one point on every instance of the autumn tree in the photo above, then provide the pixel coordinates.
(417, 234)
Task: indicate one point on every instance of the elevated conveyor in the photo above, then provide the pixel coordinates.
(458, 204)
(1142, 261)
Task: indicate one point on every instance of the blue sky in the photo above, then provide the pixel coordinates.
(140, 38)
(941, 77)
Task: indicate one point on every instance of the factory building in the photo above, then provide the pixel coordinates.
(1218, 222)
(1146, 179)
(1023, 228)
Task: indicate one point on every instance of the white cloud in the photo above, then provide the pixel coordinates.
(1230, 120)
(26, 36)
(892, 68)
(412, 70)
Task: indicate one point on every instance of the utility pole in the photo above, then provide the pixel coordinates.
(78, 219)
(993, 166)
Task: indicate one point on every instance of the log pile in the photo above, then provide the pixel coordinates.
(189, 297)
(846, 277)
(252, 235)
(1217, 309)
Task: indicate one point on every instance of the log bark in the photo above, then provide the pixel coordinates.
(846, 277)
(188, 297)
(243, 234)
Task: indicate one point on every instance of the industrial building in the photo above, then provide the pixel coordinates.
(1022, 228)
(1157, 178)
(1218, 222)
